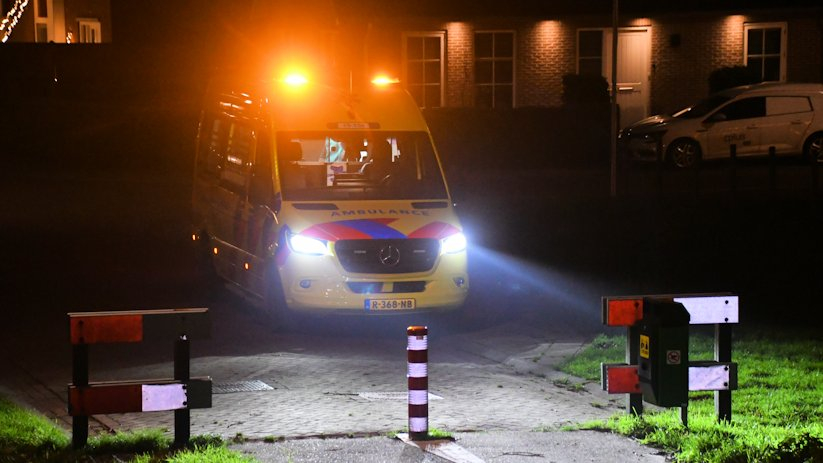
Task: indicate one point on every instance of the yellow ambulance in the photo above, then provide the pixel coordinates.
(309, 197)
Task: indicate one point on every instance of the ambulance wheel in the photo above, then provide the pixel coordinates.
(274, 305)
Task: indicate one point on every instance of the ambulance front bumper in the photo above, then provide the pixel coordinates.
(319, 283)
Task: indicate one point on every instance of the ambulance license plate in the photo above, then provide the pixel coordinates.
(389, 304)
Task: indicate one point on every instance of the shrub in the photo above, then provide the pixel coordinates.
(731, 76)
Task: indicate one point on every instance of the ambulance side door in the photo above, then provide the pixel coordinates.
(227, 217)
(262, 208)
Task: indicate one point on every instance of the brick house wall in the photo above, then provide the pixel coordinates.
(97, 9)
(547, 53)
(685, 49)
(805, 53)
(684, 52)
(544, 52)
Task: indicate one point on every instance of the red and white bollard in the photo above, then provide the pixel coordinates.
(418, 377)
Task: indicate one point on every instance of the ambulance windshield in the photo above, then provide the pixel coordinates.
(341, 165)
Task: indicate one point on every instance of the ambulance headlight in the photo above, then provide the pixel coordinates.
(453, 244)
(311, 246)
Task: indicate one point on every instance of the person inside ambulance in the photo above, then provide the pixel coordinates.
(293, 177)
(380, 166)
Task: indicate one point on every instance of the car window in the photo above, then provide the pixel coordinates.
(746, 108)
(702, 107)
(777, 105)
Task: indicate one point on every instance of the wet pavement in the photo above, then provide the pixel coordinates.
(309, 397)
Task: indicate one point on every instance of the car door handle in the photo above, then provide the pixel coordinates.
(796, 122)
(751, 127)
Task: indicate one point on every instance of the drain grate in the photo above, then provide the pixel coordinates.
(392, 396)
(240, 386)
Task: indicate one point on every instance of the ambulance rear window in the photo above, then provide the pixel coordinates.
(358, 165)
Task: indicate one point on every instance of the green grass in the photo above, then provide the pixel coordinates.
(777, 411)
(215, 454)
(434, 433)
(25, 433)
(26, 437)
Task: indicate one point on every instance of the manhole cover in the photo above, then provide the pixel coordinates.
(240, 386)
(392, 396)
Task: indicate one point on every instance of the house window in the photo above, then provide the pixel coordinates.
(590, 52)
(89, 31)
(423, 68)
(494, 69)
(41, 21)
(765, 51)
(41, 33)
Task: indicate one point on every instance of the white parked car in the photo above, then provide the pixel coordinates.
(753, 118)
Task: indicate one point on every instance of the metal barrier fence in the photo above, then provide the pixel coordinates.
(181, 393)
(733, 165)
(719, 375)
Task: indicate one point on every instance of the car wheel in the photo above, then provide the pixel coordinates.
(813, 150)
(684, 153)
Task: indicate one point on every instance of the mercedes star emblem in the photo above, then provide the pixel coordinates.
(389, 256)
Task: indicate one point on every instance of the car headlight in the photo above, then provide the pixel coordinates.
(453, 244)
(306, 245)
(654, 136)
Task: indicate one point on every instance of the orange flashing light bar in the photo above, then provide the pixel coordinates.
(295, 79)
(383, 80)
(622, 312)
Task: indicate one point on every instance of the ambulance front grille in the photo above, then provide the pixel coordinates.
(387, 288)
(387, 256)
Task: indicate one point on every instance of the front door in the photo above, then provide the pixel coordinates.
(633, 68)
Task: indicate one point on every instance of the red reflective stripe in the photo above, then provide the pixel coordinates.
(622, 380)
(419, 384)
(624, 312)
(106, 328)
(101, 400)
(333, 231)
(435, 230)
(417, 356)
(417, 331)
(418, 411)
